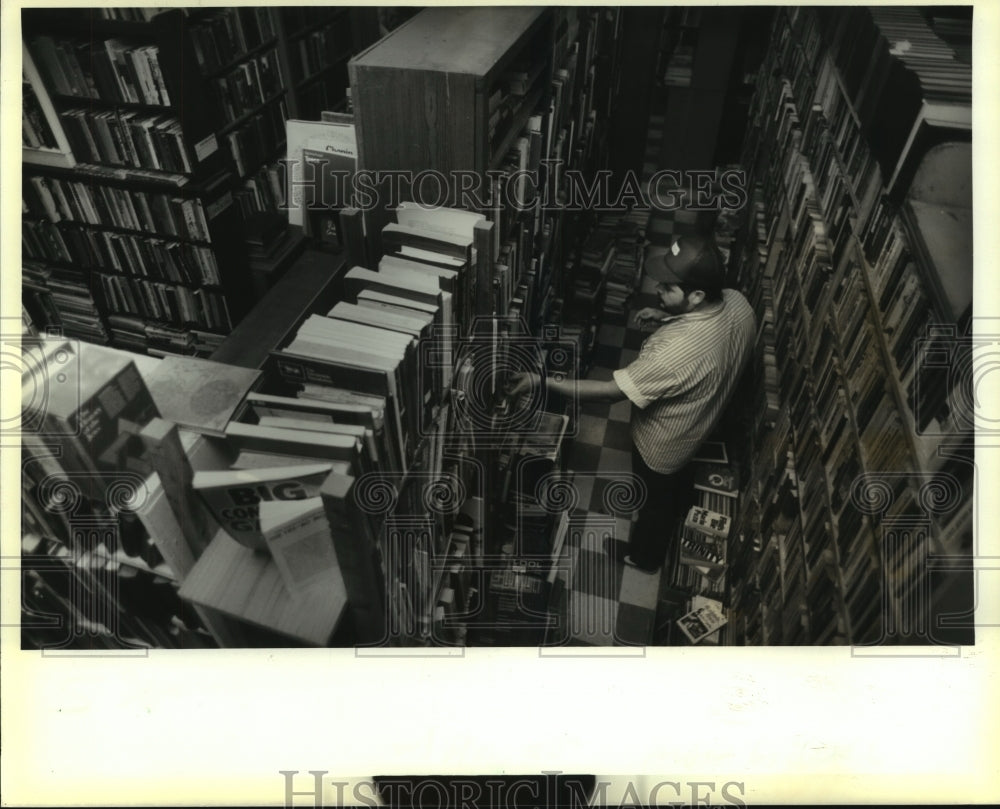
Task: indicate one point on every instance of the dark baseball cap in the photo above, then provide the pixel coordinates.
(692, 261)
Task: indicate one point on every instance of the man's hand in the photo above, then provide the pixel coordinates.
(649, 315)
(521, 383)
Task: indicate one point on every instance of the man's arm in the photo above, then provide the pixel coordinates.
(587, 389)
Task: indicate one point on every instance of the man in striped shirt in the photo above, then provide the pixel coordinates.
(678, 385)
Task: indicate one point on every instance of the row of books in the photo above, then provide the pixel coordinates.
(892, 66)
(827, 112)
(62, 199)
(417, 300)
(262, 191)
(141, 256)
(35, 129)
(134, 333)
(896, 277)
(257, 141)
(771, 550)
(127, 139)
(62, 298)
(164, 302)
(248, 85)
(319, 49)
(225, 35)
(112, 70)
(819, 350)
(344, 436)
(625, 272)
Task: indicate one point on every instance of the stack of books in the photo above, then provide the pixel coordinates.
(624, 273)
(704, 539)
(271, 244)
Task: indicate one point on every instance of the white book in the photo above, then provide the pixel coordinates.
(298, 536)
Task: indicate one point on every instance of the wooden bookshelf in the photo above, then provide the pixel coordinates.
(491, 86)
(437, 68)
(144, 215)
(864, 256)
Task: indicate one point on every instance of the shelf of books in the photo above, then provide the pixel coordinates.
(850, 446)
(512, 98)
(137, 244)
(309, 48)
(238, 56)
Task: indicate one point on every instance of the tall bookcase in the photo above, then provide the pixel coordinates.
(138, 243)
(480, 96)
(433, 79)
(142, 128)
(496, 92)
(857, 258)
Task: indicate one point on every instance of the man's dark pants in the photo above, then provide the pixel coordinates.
(668, 498)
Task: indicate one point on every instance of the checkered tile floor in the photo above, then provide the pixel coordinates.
(601, 601)
(597, 600)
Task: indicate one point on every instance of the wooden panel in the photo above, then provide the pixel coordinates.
(458, 40)
(413, 121)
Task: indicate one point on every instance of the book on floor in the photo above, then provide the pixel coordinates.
(704, 619)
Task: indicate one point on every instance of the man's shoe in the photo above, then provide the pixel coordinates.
(628, 561)
(617, 550)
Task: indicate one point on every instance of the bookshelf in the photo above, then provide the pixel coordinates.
(856, 254)
(496, 91)
(311, 45)
(316, 43)
(138, 243)
(441, 68)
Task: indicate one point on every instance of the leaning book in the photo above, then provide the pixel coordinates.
(234, 496)
(297, 534)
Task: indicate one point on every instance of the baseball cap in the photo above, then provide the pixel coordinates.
(692, 261)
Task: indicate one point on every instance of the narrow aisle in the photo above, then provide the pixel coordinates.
(597, 600)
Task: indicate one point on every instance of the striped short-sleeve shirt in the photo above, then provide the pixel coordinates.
(683, 377)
